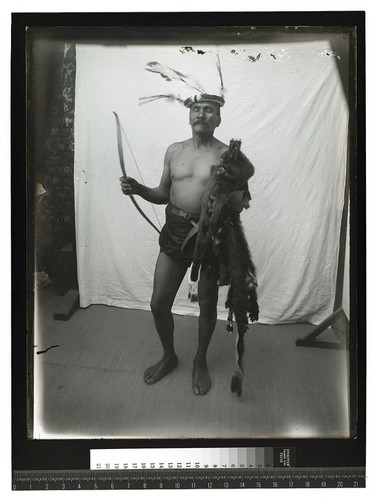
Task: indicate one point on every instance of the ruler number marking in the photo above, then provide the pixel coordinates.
(210, 479)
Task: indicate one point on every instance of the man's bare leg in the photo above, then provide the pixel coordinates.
(167, 280)
(207, 294)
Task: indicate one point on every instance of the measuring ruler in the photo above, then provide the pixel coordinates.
(190, 468)
(353, 477)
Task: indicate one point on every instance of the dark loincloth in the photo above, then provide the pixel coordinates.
(173, 235)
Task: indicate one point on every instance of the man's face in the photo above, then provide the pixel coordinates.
(204, 117)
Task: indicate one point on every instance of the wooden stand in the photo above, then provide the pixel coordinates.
(67, 306)
(338, 313)
(309, 340)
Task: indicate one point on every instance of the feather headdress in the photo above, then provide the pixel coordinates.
(167, 97)
(170, 74)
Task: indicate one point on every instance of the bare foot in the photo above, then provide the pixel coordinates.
(158, 371)
(201, 379)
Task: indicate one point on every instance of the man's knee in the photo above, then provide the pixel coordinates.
(159, 308)
(208, 305)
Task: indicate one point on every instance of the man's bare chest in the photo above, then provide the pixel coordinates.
(189, 164)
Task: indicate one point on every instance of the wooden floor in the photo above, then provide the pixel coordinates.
(91, 384)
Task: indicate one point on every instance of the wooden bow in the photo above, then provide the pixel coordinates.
(122, 165)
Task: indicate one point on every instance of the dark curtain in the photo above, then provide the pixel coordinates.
(53, 154)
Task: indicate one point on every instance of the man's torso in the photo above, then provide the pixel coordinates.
(190, 170)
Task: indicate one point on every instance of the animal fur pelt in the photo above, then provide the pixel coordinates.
(231, 175)
(221, 247)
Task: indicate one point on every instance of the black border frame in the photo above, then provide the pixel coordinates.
(28, 454)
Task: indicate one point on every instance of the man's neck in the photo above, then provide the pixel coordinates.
(202, 140)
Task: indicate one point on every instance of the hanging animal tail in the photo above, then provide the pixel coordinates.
(242, 296)
(193, 283)
(236, 383)
(194, 274)
(253, 308)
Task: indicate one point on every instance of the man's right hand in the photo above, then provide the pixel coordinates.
(129, 185)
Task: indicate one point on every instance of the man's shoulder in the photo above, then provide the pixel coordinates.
(180, 144)
(221, 146)
(177, 147)
(220, 149)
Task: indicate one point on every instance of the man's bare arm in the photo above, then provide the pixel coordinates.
(158, 195)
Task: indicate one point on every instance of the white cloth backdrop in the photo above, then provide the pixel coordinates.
(289, 109)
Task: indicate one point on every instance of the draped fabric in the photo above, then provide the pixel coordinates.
(284, 101)
(54, 211)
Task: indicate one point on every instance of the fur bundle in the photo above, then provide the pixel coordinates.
(221, 246)
(231, 175)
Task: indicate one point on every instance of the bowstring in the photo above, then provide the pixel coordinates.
(140, 173)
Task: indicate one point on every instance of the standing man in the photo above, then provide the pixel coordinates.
(187, 169)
